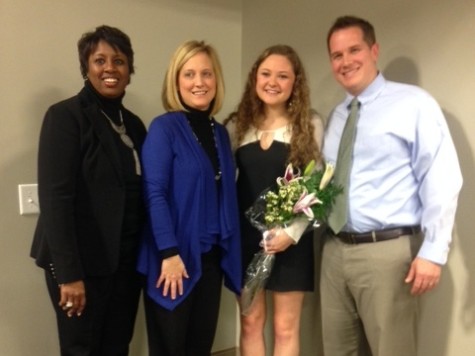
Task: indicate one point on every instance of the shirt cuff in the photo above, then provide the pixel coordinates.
(169, 252)
(434, 252)
(296, 229)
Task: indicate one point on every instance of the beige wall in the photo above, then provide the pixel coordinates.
(427, 42)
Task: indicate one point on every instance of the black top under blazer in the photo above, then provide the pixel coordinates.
(81, 189)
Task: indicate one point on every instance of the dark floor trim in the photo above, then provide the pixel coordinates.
(229, 352)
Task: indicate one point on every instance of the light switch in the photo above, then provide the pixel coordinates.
(28, 197)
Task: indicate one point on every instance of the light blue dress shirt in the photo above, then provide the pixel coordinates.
(405, 168)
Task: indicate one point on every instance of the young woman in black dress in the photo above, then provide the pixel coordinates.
(274, 126)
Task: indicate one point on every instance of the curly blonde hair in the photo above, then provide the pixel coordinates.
(250, 111)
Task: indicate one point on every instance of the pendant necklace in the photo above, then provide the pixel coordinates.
(120, 129)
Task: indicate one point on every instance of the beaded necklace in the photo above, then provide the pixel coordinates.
(218, 172)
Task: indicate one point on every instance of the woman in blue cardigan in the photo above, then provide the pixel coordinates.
(193, 236)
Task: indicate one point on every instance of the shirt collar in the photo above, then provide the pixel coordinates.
(370, 93)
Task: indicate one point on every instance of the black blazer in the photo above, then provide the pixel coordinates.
(81, 189)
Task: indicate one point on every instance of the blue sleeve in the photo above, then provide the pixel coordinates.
(157, 160)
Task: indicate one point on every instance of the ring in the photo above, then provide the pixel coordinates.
(69, 304)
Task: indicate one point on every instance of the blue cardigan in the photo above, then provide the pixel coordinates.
(178, 182)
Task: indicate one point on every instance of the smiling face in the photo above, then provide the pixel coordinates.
(108, 70)
(353, 61)
(275, 80)
(197, 82)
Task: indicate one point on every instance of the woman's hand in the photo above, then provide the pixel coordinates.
(173, 272)
(72, 298)
(277, 240)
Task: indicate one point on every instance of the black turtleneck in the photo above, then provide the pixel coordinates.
(201, 123)
(111, 106)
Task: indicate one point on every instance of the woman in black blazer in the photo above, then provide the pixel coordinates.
(89, 180)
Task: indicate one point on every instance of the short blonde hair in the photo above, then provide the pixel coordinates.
(170, 96)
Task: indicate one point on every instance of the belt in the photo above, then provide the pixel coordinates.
(377, 235)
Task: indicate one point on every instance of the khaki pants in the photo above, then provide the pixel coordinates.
(365, 301)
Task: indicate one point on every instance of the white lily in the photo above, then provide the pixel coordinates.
(327, 175)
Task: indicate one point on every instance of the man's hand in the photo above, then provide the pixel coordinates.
(424, 276)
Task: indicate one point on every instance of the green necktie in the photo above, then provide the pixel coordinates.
(339, 214)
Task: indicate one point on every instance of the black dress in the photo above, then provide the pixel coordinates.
(258, 169)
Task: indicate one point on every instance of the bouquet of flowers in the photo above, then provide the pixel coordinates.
(308, 195)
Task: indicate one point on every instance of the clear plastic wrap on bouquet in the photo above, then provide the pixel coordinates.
(257, 274)
(259, 269)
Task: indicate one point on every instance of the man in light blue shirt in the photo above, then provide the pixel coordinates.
(403, 188)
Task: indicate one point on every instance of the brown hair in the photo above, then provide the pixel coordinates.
(250, 111)
(343, 22)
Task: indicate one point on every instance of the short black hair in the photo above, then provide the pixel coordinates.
(113, 36)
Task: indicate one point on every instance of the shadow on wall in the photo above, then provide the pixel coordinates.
(465, 223)
(402, 70)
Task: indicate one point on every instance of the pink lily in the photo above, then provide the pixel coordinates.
(288, 175)
(305, 202)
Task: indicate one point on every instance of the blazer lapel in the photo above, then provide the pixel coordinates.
(104, 133)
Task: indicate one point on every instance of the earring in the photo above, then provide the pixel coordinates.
(290, 105)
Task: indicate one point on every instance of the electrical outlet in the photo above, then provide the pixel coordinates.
(28, 197)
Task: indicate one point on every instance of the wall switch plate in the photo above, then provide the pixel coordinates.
(28, 197)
